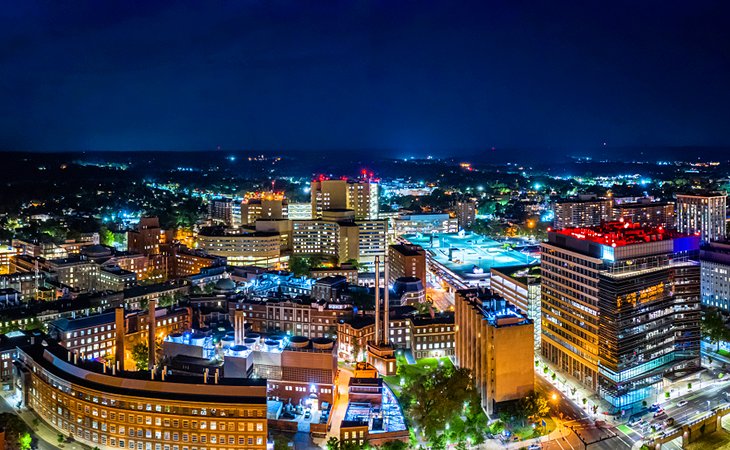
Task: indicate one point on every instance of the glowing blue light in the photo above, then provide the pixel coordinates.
(537, 186)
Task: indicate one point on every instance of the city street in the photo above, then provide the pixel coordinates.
(684, 406)
(576, 420)
(440, 297)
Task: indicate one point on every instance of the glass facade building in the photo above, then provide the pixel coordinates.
(621, 307)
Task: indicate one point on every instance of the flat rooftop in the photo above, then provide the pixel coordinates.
(620, 233)
(469, 255)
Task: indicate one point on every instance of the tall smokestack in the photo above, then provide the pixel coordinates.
(377, 300)
(386, 301)
(239, 326)
(119, 333)
(152, 330)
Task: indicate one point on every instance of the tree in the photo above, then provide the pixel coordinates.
(24, 441)
(434, 398)
(15, 430)
(299, 266)
(333, 443)
(534, 406)
(713, 328)
(140, 355)
(394, 445)
(281, 443)
(357, 265)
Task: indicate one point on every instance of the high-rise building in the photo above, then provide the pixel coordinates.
(715, 278)
(407, 260)
(339, 237)
(466, 213)
(646, 212)
(703, 213)
(265, 206)
(148, 236)
(621, 307)
(494, 340)
(582, 211)
(520, 285)
(359, 195)
(221, 210)
(300, 211)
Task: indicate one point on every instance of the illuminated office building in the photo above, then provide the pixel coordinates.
(494, 340)
(703, 213)
(621, 307)
(359, 195)
(582, 211)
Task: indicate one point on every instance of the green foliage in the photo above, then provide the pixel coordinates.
(140, 355)
(534, 407)
(299, 266)
(281, 443)
(24, 441)
(15, 430)
(356, 265)
(436, 397)
(713, 327)
(333, 443)
(394, 445)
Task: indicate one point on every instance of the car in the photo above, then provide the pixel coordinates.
(534, 447)
(682, 403)
(669, 422)
(659, 412)
(726, 394)
(655, 407)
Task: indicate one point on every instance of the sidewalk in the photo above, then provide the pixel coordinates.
(565, 384)
(48, 436)
(556, 434)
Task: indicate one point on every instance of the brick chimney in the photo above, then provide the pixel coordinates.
(119, 333)
(152, 330)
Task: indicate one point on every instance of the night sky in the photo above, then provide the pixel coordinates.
(402, 77)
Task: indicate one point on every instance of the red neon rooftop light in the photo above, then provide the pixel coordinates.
(619, 233)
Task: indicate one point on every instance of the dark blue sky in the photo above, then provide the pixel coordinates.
(405, 76)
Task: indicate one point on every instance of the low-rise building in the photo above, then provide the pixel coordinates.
(103, 408)
(241, 246)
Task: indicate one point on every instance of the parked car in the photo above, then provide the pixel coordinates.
(659, 412)
(655, 407)
(669, 422)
